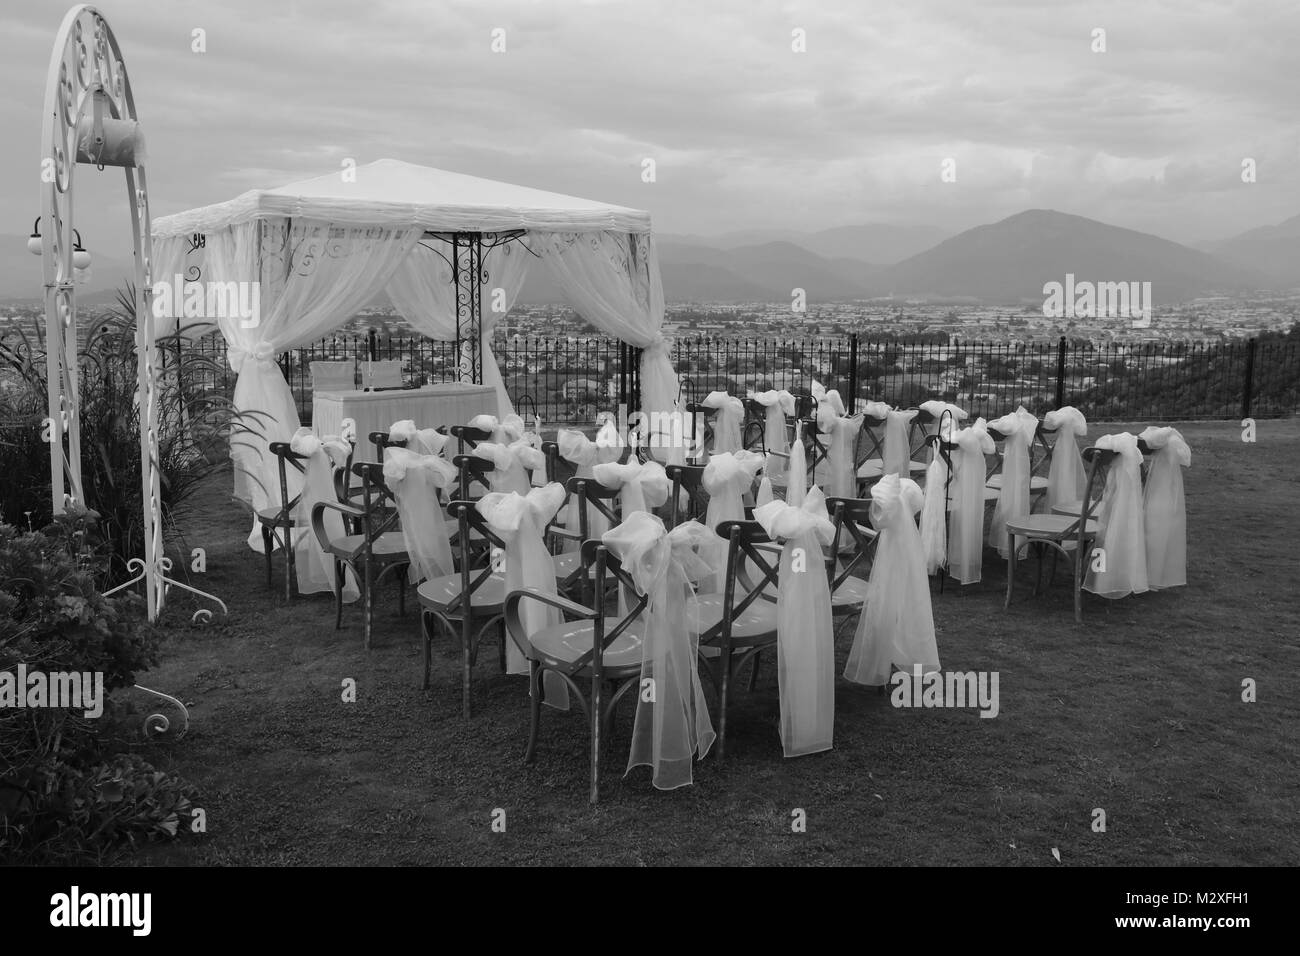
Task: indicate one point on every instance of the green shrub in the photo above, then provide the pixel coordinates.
(65, 795)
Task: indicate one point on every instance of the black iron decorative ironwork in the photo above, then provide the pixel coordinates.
(466, 256)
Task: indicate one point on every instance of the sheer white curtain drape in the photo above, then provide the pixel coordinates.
(612, 280)
(422, 290)
(313, 276)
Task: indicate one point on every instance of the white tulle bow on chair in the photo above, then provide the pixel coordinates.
(672, 726)
(315, 569)
(415, 480)
(504, 431)
(896, 628)
(641, 487)
(511, 464)
(425, 441)
(1120, 568)
(1014, 500)
(840, 479)
(519, 520)
(1066, 476)
(777, 404)
(966, 514)
(1165, 508)
(805, 631)
(728, 418)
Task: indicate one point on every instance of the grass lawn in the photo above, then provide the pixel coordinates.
(1138, 711)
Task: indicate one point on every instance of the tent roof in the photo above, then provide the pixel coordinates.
(389, 192)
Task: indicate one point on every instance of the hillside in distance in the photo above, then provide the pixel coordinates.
(1271, 250)
(1011, 260)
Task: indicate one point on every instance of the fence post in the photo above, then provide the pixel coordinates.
(372, 343)
(1249, 385)
(852, 403)
(623, 350)
(1060, 373)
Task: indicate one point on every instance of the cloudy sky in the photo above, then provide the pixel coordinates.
(745, 133)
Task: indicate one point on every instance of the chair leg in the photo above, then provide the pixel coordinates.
(338, 594)
(266, 549)
(534, 709)
(597, 695)
(1080, 562)
(1011, 570)
(466, 663)
(401, 592)
(753, 671)
(1038, 567)
(289, 558)
(724, 669)
(367, 596)
(426, 633)
(501, 644)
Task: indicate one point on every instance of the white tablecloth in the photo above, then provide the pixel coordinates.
(448, 403)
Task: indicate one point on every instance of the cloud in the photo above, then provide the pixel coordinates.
(746, 133)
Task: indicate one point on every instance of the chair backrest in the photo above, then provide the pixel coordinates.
(472, 470)
(333, 376)
(689, 478)
(1098, 462)
(378, 504)
(381, 440)
(286, 457)
(385, 374)
(469, 523)
(591, 492)
(608, 570)
(468, 435)
(698, 411)
(851, 515)
(342, 476)
(743, 553)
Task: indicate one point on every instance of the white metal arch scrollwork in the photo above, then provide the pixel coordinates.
(86, 87)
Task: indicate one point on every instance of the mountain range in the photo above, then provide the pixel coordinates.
(1006, 262)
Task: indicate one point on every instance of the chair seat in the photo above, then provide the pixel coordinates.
(874, 467)
(390, 544)
(1036, 482)
(756, 622)
(567, 563)
(440, 592)
(852, 593)
(1048, 526)
(565, 643)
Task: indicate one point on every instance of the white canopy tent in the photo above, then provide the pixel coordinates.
(319, 250)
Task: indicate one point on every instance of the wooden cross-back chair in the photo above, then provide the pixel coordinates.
(593, 647)
(1070, 535)
(472, 481)
(698, 411)
(688, 478)
(468, 436)
(571, 572)
(753, 433)
(278, 522)
(373, 548)
(851, 551)
(739, 623)
(468, 602)
(1037, 482)
(945, 449)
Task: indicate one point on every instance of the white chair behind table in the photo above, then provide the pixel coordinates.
(385, 374)
(333, 376)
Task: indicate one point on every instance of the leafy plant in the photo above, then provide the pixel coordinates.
(63, 794)
(196, 426)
